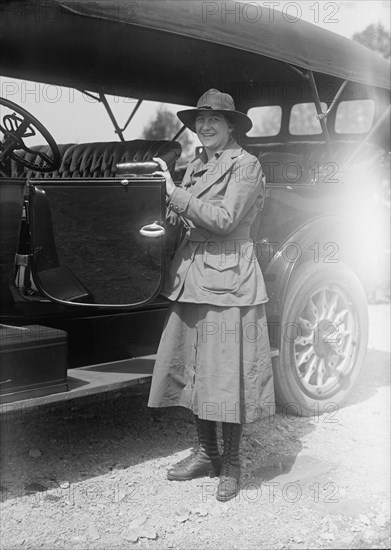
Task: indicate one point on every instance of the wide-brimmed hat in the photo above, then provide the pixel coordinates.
(213, 100)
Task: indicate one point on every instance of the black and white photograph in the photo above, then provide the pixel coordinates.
(195, 274)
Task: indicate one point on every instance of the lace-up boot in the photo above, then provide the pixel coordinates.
(230, 473)
(207, 461)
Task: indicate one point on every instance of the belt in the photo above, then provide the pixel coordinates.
(201, 235)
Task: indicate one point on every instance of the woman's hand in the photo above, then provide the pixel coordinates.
(170, 185)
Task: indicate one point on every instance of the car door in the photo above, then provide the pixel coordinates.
(97, 243)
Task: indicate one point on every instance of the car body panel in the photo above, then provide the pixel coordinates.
(11, 207)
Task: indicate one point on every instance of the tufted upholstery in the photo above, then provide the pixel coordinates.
(98, 160)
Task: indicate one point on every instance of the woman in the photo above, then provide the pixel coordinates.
(214, 354)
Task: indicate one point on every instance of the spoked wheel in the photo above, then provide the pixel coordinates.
(324, 337)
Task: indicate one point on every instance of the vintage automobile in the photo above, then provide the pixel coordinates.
(84, 240)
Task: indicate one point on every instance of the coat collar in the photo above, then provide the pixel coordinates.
(213, 170)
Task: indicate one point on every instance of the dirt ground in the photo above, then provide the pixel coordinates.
(92, 474)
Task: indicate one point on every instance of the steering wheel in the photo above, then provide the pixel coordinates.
(18, 125)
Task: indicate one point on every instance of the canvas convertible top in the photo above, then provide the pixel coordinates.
(145, 48)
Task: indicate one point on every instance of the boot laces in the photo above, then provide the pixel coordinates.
(208, 448)
(226, 470)
(230, 456)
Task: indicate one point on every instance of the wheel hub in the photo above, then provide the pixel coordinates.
(322, 338)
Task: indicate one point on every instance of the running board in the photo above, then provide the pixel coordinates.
(96, 379)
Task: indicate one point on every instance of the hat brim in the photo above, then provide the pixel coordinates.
(240, 120)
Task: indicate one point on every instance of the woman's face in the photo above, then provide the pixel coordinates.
(213, 130)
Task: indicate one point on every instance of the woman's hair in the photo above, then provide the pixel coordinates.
(237, 134)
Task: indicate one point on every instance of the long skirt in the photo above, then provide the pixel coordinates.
(215, 361)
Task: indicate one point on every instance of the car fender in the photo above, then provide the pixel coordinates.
(320, 240)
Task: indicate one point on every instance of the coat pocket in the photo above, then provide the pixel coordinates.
(220, 273)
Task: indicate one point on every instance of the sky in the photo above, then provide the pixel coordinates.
(66, 113)
(342, 17)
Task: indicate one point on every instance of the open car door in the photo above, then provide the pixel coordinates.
(97, 242)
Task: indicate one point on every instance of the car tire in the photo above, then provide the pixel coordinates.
(324, 336)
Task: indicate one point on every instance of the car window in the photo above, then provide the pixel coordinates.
(266, 121)
(303, 119)
(354, 117)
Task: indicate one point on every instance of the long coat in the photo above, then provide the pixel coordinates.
(214, 354)
(216, 262)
